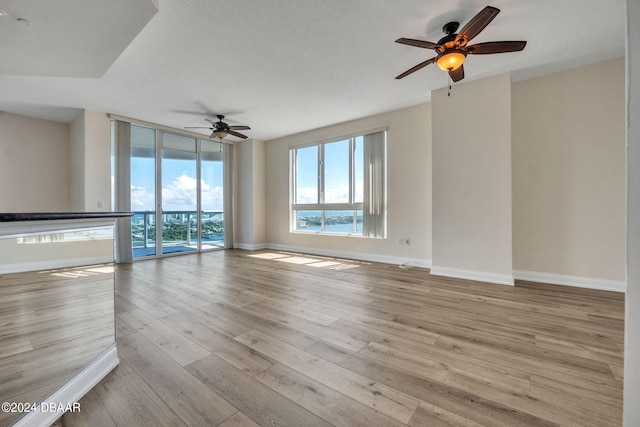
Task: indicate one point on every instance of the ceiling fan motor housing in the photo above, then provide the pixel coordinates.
(451, 27)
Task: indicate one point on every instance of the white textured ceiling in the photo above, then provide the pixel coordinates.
(285, 66)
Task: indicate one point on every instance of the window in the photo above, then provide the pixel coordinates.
(338, 187)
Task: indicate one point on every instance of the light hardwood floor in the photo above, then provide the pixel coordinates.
(237, 338)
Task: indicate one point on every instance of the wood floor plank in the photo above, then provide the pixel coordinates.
(92, 413)
(366, 333)
(289, 317)
(468, 405)
(278, 330)
(131, 402)
(242, 357)
(211, 315)
(254, 399)
(123, 304)
(432, 416)
(146, 303)
(192, 401)
(470, 377)
(123, 328)
(579, 371)
(170, 341)
(121, 370)
(338, 311)
(314, 396)
(238, 420)
(387, 400)
(298, 311)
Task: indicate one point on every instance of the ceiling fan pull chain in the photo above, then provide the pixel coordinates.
(449, 79)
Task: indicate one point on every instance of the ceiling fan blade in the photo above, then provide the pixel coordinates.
(457, 74)
(418, 43)
(213, 121)
(496, 47)
(478, 23)
(238, 134)
(239, 128)
(416, 68)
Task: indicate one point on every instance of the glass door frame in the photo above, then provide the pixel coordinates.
(159, 212)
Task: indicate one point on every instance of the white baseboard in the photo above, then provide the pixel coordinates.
(54, 264)
(481, 276)
(72, 391)
(249, 246)
(360, 256)
(576, 281)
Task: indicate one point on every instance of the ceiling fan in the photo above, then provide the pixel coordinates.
(220, 129)
(452, 49)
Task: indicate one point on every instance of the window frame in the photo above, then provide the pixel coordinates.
(351, 205)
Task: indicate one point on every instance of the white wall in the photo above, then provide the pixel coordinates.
(250, 195)
(97, 159)
(77, 166)
(91, 162)
(568, 173)
(259, 197)
(632, 301)
(34, 165)
(472, 235)
(408, 184)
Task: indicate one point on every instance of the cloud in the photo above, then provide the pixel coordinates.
(307, 195)
(178, 195)
(142, 199)
(339, 194)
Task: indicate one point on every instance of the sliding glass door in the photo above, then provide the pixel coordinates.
(179, 195)
(176, 193)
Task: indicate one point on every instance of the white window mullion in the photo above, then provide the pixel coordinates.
(294, 189)
(321, 173)
(352, 169)
(293, 175)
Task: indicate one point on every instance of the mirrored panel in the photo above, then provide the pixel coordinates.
(54, 319)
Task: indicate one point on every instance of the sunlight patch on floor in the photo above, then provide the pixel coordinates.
(75, 272)
(312, 261)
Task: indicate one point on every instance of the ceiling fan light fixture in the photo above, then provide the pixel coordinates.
(451, 59)
(220, 134)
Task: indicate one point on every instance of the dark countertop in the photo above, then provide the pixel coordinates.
(52, 216)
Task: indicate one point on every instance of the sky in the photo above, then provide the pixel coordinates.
(179, 176)
(336, 172)
(179, 184)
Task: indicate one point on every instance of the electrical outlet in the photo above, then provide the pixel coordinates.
(407, 241)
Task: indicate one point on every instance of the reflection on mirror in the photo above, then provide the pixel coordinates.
(54, 320)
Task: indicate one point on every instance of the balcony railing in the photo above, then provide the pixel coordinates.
(179, 231)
